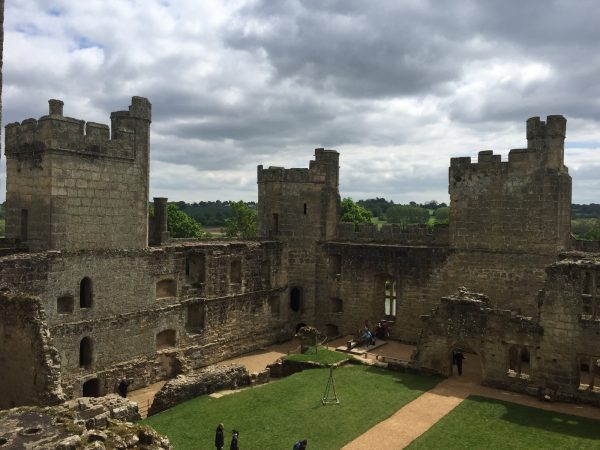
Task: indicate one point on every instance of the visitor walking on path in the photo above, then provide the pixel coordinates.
(234, 441)
(219, 438)
(122, 388)
(300, 445)
(458, 360)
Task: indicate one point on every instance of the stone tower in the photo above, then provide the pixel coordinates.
(72, 185)
(301, 208)
(519, 205)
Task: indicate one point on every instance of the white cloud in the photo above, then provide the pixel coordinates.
(397, 87)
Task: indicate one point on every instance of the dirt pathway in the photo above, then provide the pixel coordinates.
(415, 418)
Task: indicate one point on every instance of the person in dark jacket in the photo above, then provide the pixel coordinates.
(219, 438)
(123, 387)
(300, 445)
(458, 360)
(234, 441)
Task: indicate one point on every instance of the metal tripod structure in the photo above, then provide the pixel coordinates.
(329, 399)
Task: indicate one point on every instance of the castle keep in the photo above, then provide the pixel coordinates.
(92, 290)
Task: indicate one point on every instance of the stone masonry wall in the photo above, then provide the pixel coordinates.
(29, 364)
(520, 205)
(423, 275)
(300, 207)
(71, 186)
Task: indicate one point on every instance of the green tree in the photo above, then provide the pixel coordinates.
(407, 214)
(242, 222)
(351, 212)
(442, 215)
(180, 225)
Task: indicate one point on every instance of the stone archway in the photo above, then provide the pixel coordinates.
(472, 365)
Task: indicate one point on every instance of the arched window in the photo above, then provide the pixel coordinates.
(337, 305)
(86, 350)
(296, 299)
(85, 293)
(235, 272)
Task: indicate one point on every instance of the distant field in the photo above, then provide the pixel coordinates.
(482, 423)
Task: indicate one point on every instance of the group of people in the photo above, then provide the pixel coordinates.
(220, 440)
(382, 331)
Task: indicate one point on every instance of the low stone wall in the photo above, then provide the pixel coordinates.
(206, 381)
(94, 423)
(285, 367)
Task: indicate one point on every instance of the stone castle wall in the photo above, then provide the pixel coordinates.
(30, 366)
(71, 186)
(300, 208)
(520, 205)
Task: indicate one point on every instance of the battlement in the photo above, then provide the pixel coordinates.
(323, 168)
(59, 133)
(417, 234)
(545, 149)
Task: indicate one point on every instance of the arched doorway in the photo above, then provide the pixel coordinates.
(296, 299)
(471, 364)
(86, 350)
(91, 388)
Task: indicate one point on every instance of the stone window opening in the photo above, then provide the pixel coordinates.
(65, 304)
(235, 272)
(337, 305)
(305, 209)
(519, 360)
(86, 351)
(590, 295)
(335, 266)
(296, 299)
(195, 268)
(390, 299)
(331, 330)
(589, 373)
(166, 339)
(91, 388)
(85, 293)
(166, 288)
(274, 306)
(275, 224)
(24, 225)
(265, 274)
(196, 317)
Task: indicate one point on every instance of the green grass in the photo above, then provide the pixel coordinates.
(275, 415)
(322, 356)
(481, 423)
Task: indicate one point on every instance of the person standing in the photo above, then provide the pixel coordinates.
(300, 445)
(234, 441)
(123, 387)
(219, 438)
(458, 360)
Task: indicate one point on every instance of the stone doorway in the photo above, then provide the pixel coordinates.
(471, 367)
(91, 388)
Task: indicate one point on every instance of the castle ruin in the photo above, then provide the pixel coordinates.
(93, 290)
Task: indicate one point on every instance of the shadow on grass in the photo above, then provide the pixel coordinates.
(526, 416)
(411, 381)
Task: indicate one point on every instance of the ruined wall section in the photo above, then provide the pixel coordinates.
(29, 364)
(523, 204)
(570, 317)
(465, 320)
(414, 234)
(300, 208)
(355, 274)
(72, 185)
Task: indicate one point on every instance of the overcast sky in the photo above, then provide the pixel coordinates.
(397, 87)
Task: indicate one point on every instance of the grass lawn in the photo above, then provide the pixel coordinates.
(323, 356)
(276, 415)
(482, 423)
